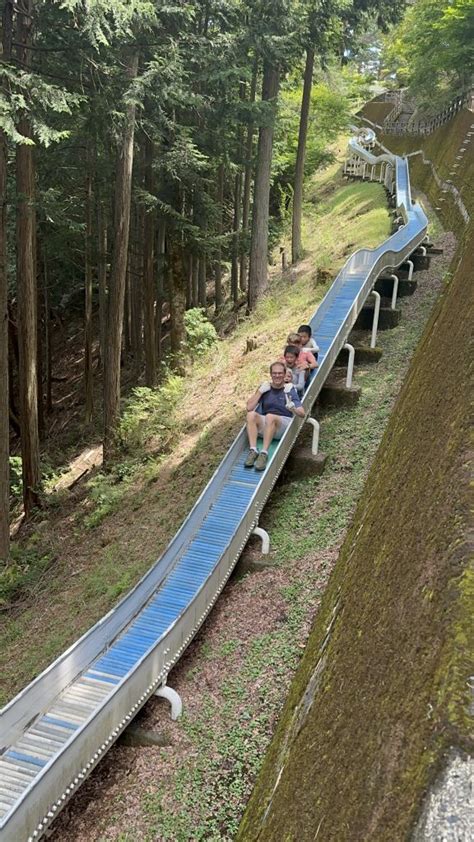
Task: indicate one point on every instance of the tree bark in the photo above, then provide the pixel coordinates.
(123, 191)
(195, 281)
(296, 244)
(202, 281)
(88, 369)
(47, 335)
(247, 184)
(136, 290)
(160, 285)
(102, 276)
(234, 266)
(26, 287)
(259, 244)
(189, 281)
(4, 372)
(148, 273)
(218, 269)
(39, 331)
(177, 282)
(13, 361)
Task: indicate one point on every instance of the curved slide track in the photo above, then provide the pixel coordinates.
(57, 729)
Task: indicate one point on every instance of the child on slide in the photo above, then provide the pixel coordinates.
(307, 341)
(293, 370)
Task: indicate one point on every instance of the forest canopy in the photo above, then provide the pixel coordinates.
(432, 50)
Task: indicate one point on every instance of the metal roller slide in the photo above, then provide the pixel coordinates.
(57, 729)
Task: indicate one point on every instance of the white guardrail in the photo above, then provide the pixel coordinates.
(57, 729)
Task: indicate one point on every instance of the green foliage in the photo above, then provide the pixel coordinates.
(334, 97)
(149, 424)
(151, 414)
(432, 50)
(26, 568)
(201, 334)
(15, 478)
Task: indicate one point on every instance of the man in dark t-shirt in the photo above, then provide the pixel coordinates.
(279, 402)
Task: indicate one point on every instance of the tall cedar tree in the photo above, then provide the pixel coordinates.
(123, 192)
(259, 245)
(7, 25)
(296, 243)
(26, 281)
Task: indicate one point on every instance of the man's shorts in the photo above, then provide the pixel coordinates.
(284, 422)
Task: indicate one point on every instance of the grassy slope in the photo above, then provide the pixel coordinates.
(92, 545)
(370, 714)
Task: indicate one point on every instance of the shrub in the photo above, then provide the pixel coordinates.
(200, 333)
(25, 570)
(151, 414)
(15, 477)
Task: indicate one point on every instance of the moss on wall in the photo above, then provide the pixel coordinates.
(381, 692)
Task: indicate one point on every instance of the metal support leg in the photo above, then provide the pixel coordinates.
(174, 699)
(375, 323)
(350, 364)
(394, 291)
(411, 268)
(263, 534)
(423, 250)
(315, 442)
(372, 171)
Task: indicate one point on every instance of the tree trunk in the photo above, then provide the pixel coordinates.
(234, 266)
(123, 191)
(296, 244)
(202, 279)
(102, 276)
(39, 330)
(88, 370)
(47, 335)
(13, 361)
(247, 184)
(26, 288)
(259, 244)
(220, 206)
(195, 281)
(136, 291)
(177, 282)
(127, 309)
(189, 281)
(148, 273)
(160, 285)
(4, 373)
